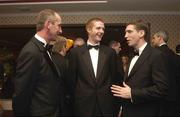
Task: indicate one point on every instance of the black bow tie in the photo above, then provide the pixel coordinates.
(48, 47)
(135, 53)
(91, 46)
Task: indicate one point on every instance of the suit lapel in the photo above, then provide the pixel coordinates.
(52, 64)
(101, 61)
(139, 62)
(38, 44)
(42, 49)
(87, 60)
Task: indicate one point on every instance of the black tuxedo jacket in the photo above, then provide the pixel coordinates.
(37, 82)
(88, 89)
(62, 64)
(149, 84)
(1, 71)
(170, 60)
(178, 77)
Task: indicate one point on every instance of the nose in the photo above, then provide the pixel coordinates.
(102, 31)
(60, 30)
(125, 36)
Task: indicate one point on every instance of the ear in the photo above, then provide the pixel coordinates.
(88, 30)
(47, 24)
(142, 33)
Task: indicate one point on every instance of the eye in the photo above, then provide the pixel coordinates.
(59, 25)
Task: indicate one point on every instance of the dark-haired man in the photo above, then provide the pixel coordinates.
(146, 83)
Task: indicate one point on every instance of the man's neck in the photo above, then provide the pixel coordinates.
(43, 35)
(92, 42)
(140, 44)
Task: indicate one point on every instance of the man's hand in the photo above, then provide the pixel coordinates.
(123, 92)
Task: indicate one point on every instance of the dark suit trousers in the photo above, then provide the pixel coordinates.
(54, 114)
(97, 112)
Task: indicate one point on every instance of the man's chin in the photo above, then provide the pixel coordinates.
(99, 39)
(129, 44)
(53, 38)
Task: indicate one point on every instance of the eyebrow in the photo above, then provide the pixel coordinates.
(128, 31)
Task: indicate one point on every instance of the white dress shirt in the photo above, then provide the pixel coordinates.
(44, 42)
(40, 39)
(94, 54)
(135, 58)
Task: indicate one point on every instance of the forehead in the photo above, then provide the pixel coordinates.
(57, 18)
(130, 27)
(98, 23)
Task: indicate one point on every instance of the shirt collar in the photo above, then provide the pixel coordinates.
(142, 48)
(88, 43)
(162, 44)
(40, 39)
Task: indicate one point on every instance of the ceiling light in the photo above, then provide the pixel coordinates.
(55, 2)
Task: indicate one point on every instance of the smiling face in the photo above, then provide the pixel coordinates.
(95, 31)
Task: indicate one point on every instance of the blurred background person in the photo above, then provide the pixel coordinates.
(178, 78)
(1, 77)
(116, 45)
(69, 44)
(1, 110)
(1, 70)
(59, 45)
(59, 50)
(159, 41)
(125, 62)
(78, 42)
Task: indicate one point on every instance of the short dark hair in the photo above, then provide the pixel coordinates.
(141, 26)
(113, 42)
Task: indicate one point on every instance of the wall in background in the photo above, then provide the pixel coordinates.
(158, 21)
